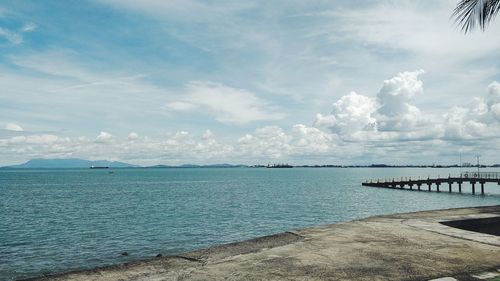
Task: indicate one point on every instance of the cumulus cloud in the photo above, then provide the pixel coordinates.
(354, 116)
(42, 139)
(350, 114)
(354, 132)
(13, 127)
(392, 116)
(480, 119)
(133, 136)
(228, 105)
(396, 111)
(309, 140)
(103, 137)
(270, 141)
(208, 135)
(275, 143)
(493, 100)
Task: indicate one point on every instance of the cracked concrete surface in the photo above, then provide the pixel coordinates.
(412, 246)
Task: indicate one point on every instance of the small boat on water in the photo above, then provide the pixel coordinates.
(99, 167)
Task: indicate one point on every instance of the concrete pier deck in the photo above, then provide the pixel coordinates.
(412, 246)
(472, 178)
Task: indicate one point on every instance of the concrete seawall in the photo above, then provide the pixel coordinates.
(411, 246)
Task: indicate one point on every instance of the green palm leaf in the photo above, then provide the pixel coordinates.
(470, 14)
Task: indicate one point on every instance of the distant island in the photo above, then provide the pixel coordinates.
(76, 163)
(72, 163)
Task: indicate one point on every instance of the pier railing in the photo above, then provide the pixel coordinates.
(480, 175)
(473, 178)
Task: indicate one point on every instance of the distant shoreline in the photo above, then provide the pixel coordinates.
(256, 166)
(76, 163)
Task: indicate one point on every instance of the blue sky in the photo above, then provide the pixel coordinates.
(246, 82)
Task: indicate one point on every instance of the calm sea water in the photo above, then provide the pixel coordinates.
(60, 220)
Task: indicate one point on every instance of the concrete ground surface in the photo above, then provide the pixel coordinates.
(412, 246)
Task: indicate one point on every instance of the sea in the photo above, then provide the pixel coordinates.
(60, 220)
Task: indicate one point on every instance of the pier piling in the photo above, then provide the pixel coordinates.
(468, 177)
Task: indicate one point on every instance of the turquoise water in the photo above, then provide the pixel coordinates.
(60, 220)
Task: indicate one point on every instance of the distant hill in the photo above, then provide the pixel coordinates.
(69, 163)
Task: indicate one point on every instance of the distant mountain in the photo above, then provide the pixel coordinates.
(69, 163)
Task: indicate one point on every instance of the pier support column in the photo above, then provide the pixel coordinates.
(418, 186)
(460, 186)
(411, 186)
(429, 184)
(437, 186)
(449, 187)
(482, 188)
(473, 187)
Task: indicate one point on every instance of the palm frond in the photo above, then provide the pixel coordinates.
(470, 14)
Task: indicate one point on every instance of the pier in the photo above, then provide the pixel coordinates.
(472, 178)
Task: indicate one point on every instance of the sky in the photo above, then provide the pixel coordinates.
(247, 82)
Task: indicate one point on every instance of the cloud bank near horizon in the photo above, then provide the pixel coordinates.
(386, 127)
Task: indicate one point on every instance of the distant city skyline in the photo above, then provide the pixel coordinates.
(254, 82)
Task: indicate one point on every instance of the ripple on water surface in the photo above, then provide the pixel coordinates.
(59, 220)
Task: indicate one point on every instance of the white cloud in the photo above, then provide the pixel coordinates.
(393, 117)
(58, 63)
(353, 131)
(272, 143)
(228, 105)
(494, 93)
(421, 27)
(16, 37)
(308, 141)
(350, 114)
(181, 106)
(267, 142)
(356, 116)
(396, 113)
(13, 127)
(208, 135)
(103, 137)
(42, 139)
(495, 110)
(11, 36)
(29, 27)
(78, 94)
(480, 119)
(133, 136)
